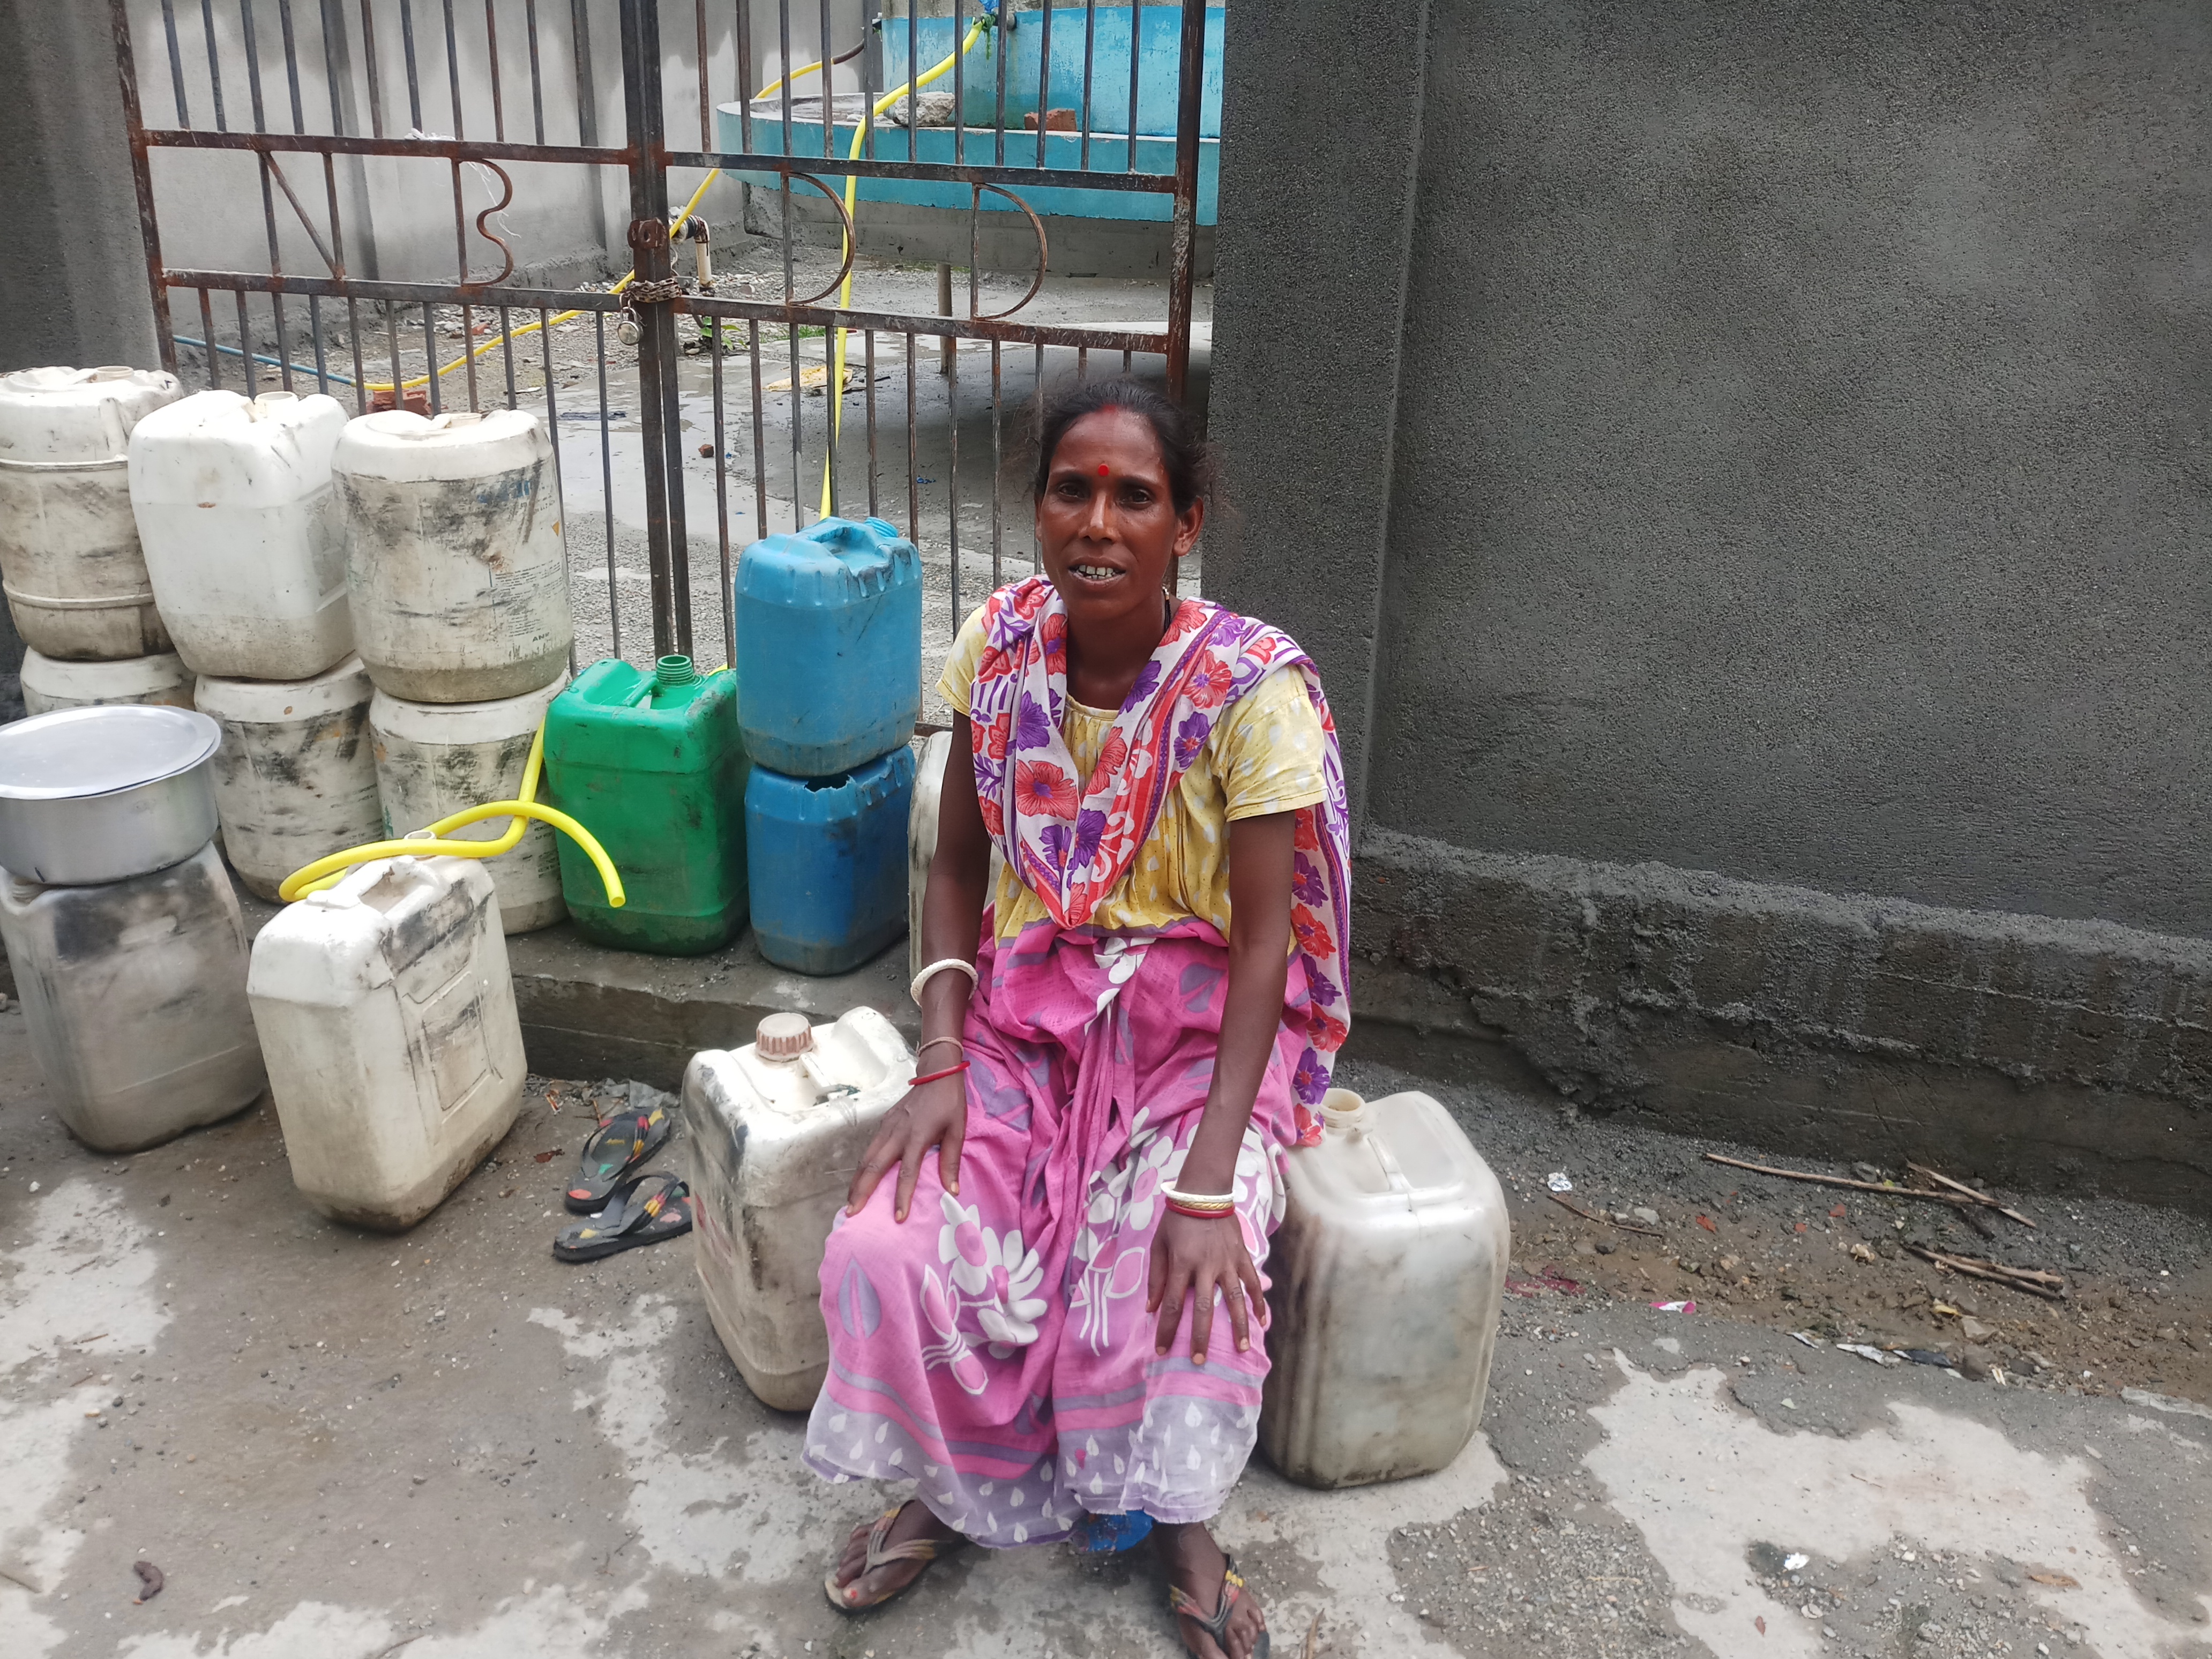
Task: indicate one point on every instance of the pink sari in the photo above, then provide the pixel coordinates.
(994, 1348)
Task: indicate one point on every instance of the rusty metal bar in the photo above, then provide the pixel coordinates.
(827, 76)
(537, 71)
(1002, 20)
(215, 62)
(722, 497)
(607, 485)
(1090, 56)
(213, 355)
(553, 432)
(1189, 93)
(176, 61)
(291, 64)
(414, 76)
(372, 69)
(142, 178)
(768, 311)
(453, 70)
(1044, 81)
(998, 463)
(868, 337)
(491, 57)
(760, 435)
(1136, 68)
(913, 453)
(667, 546)
(959, 83)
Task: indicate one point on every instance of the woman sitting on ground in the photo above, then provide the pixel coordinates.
(1120, 1037)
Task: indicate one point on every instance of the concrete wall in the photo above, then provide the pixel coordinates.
(1794, 472)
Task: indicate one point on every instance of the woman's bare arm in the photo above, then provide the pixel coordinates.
(1195, 1256)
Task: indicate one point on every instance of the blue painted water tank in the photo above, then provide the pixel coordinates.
(826, 862)
(829, 633)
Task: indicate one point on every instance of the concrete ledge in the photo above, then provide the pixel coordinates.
(2042, 1051)
(591, 1012)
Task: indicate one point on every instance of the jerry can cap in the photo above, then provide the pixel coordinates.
(783, 1037)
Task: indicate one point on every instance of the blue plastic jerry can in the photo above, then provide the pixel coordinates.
(829, 636)
(826, 862)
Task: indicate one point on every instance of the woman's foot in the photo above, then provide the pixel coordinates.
(1195, 1565)
(857, 1585)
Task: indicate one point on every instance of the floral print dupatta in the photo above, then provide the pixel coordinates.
(1073, 839)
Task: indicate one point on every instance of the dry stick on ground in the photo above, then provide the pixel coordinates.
(2033, 1280)
(1566, 1203)
(1957, 1200)
(1942, 1180)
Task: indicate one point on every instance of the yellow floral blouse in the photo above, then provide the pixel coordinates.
(1264, 756)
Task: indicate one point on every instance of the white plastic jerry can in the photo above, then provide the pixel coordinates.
(69, 558)
(51, 683)
(387, 1018)
(241, 532)
(295, 778)
(1388, 1270)
(776, 1129)
(434, 759)
(454, 566)
(134, 992)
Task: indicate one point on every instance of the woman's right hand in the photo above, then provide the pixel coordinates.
(934, 1114)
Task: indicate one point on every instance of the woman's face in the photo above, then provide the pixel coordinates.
(1108, 523)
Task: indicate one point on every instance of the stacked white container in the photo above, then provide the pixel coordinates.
(460, 594)
(70, 559)
(239, 521)
(51, 683)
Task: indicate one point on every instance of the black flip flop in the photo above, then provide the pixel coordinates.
(616, 1147)
(642, 1211)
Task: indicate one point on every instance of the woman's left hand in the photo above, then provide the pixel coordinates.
(1196, 1257)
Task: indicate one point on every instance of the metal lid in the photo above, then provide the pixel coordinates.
(783, 1037)
(77, 753)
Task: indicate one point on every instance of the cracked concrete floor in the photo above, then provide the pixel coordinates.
(448, 1444)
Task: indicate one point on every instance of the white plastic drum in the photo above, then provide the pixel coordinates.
(295, 778)
(69, 561)
(775, 1129)
(395, 1052)
(240, 530)
(50, 684)
(134, 994)
(434, 759)
(453, 558)
(1387, 1271)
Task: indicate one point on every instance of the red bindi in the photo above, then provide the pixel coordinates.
(1102, 469)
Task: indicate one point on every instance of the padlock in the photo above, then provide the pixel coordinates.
(627, 331)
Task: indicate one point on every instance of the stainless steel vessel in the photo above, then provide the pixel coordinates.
(91, 795)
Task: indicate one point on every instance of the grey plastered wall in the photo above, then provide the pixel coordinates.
(1805, 475)
(72, 266)
(1320, 131)
(1797, 474)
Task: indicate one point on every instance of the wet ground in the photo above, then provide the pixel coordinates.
(344, 1444)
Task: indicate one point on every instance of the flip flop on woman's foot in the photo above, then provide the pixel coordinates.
(1214, 1625)
(643, 1210)
(616, 1147)
(879, 1551)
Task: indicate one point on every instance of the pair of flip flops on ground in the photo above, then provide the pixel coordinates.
(847, 1598)
(623, 1210)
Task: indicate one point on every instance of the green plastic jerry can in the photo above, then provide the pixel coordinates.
(653, 765)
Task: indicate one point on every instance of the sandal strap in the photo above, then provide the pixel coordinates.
(915, 1549)
(1184, 1605)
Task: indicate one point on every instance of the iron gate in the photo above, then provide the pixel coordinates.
(324, 83)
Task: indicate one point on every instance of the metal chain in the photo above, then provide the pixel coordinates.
(654, 293)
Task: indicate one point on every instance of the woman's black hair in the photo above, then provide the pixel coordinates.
(1183, 454)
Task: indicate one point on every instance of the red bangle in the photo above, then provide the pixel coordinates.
(950, 1071)
(1197, 1213)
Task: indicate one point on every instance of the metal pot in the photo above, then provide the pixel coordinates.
(91, 795)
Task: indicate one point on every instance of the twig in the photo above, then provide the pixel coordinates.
(79, 1342)
(1888, 1187)
(2034, 1280)
(1941, 1180)
(1566, 1203)
(1313, 1631)
(23, 1584)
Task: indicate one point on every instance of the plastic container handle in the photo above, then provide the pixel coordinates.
(1392, 1172)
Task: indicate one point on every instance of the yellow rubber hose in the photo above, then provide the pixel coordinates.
(327, 872)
